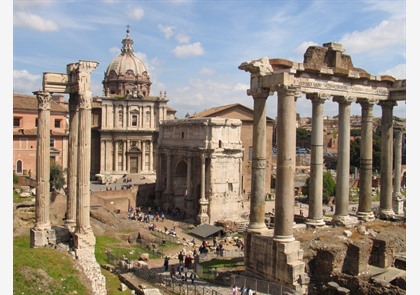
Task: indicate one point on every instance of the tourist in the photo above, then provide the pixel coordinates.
(192, 277)
(180, 257)
(166, 263)
(234, 290)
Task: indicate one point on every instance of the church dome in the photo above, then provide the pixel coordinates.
(127, 74)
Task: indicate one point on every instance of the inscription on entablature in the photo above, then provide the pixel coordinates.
(328, 86)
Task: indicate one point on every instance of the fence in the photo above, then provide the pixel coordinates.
(260, 286)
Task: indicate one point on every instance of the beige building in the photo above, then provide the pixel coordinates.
(127, 131)
(199, 169)
(245, 114)
(25, 126)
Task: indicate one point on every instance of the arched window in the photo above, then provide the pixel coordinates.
(19, 167)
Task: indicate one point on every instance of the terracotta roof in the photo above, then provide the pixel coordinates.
(213, 112)
(29, 102)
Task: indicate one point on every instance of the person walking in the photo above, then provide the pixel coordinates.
(234, 290)
(166, 263)
(192, 277)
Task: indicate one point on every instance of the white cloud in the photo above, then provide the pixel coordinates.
(387, 33)
(194, 49)
(136, 13)
(33, 21)
(115, 51)
(207, 71)
(168, 31)
(25, 83)
(183, 38)
(398, 71)
(301, 49)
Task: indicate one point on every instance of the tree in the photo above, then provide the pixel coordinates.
(328, 186)
(57, 180)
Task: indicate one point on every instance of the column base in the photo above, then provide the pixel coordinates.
(256, 227)
(398, 203)
(40, 237)
(314, 222)
(70, 225)
(386, 214)
(345, 221)
(365, 216)
(283, 239)
(85, 240)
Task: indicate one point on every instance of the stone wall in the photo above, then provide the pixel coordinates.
(117, 200)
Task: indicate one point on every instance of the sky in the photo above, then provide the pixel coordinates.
(192, 49)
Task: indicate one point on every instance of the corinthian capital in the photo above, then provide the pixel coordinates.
(44, 100)
(287, 90)
(317, 97)
(259, 92)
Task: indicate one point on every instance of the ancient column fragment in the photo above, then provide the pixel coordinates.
(397, 197)
(341, 215)
(259, 140)
(315, 216)
(364, 211)
(385, 203)
(70, 221)
(286, 163)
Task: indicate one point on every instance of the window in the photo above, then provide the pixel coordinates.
(36, 122)
(51, 142)
(120, 117)
(133, 120)
(57, 123)
(16, 122)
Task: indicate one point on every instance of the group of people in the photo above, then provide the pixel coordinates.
(243, 291)
(137, 214)
(185, 263)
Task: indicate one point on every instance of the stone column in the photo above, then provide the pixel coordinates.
(168, 188)
(341, 215)
(143, 155)
(41, 231)
(103, 155)
(202, 214)
(115, 108)
(259, 142)
(83, 167)
(189, 175)
(397, 197)
(70, 221)
(151, 157)
(385, 204)
(286, 163)
(315, 216)
(364, 211)
(115, 156)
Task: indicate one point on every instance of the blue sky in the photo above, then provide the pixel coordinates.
(192, 49)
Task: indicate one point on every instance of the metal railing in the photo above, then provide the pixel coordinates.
(260, 286)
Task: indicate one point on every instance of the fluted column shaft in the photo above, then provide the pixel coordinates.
(364, 211)
(385, 204)
(315, 215)
(168, 188)
(286, 164)
(343, 161)
(83, 167)
(397, 161)
(259, 142)
(42, 201)
(72, 162)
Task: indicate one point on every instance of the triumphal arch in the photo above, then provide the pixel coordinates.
(326, 73)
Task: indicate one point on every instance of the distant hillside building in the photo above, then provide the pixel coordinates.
(25, 126)
(125, 133)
